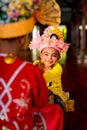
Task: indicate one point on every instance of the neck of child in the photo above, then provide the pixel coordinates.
(47, 68)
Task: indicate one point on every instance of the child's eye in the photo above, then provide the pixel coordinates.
(46, 54)
(54, 55)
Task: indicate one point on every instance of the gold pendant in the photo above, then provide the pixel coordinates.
(9, 59)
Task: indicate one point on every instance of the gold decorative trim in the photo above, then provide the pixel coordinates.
(16, 29)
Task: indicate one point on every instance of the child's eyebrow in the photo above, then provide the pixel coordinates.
(55, 54)
(46, 52)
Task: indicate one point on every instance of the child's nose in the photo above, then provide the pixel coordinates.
(50, 57)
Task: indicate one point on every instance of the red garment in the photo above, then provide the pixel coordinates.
(21, 83)
(22, 88)
(49, 118)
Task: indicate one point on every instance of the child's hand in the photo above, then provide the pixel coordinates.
(69, 105)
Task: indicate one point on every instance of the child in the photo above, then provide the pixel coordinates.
(51, 45)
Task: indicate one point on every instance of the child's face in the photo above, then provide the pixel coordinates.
(49, 56)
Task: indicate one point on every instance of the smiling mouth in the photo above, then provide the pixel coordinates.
(49, 62)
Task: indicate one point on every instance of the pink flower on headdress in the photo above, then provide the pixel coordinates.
(60, 43)
(45, 40)
(47, 32)
(36, 42)
(13, 15)
(53, 42)
(66, 47)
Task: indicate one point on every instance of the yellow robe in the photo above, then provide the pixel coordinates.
(54, 84)
(53, 80)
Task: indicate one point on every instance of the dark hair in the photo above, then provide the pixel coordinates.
(54, 36)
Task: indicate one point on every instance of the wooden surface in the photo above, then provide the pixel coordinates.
(74, 80)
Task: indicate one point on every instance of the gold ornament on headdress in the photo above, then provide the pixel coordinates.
(57, 31)
(54, 30)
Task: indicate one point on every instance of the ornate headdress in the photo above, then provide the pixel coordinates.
(16, 17)
(46, 40)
